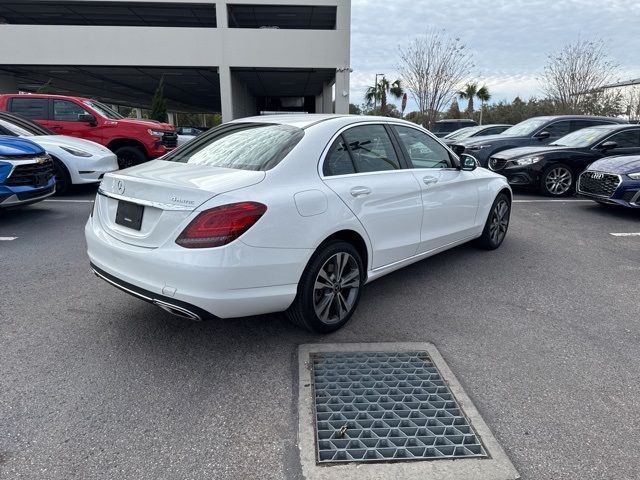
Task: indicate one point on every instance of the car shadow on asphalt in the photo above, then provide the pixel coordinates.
(140, 322)
(21, 215)
(612, 211)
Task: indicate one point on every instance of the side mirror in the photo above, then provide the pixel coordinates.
(468, 163)
(543, 135)
(87, 118)
(608, 145)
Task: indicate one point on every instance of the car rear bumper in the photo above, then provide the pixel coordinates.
(236, 280)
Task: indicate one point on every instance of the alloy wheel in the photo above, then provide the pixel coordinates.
(499, 222)
(336, 288)
(558, 181)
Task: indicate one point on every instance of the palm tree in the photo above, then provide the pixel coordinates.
(469, 93)
(484, 96)
(381, 91)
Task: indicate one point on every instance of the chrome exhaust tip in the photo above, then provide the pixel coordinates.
(177, 311)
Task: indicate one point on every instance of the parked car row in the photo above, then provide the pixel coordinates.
(133, 141)
(551, 153)
(83, 138)
(75, 160)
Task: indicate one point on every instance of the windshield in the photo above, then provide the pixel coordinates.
(465, 132)
(103, 110)
(525, 128)
(245, 146)
(581, 138)
(15, 129)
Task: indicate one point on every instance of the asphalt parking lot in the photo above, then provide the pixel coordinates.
(543, 333)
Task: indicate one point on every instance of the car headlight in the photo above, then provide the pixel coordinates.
(76, 152)
(480, 147)
(527, 160)
(635, 176)
(156, 133)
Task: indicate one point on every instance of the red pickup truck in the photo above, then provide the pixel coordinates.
(133, 141)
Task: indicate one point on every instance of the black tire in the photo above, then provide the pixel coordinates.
(310, 297)
(496, 219)
(558, 180)
(63, 179)
(130, 156)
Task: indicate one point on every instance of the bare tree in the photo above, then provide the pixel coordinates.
(632, 103)
(433, 66)
(574, 77)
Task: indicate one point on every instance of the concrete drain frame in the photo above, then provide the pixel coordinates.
(324, 452)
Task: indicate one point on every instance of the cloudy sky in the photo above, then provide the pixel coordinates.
(510, 39)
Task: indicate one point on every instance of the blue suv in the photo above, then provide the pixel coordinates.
(26, 172)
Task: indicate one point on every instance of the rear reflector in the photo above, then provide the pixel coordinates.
(221, 225)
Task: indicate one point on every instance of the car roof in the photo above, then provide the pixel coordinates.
(456, 120)
(613, 126)
(580, 117)
(42, 95)
(306, 120)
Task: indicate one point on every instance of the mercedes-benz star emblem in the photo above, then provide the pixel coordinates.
(120, 187)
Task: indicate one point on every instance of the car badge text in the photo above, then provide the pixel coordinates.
(182, 201)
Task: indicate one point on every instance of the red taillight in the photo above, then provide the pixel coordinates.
(221, 225)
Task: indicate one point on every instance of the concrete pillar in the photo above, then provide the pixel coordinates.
(327, 98)
(226, 93)
(319, 103)
(171, 118)
(8, 84)
(138, 112)
(342, 90)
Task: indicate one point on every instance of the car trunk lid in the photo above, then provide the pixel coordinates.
(164, 194)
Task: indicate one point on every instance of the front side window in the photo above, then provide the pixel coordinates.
(65, 111)
(103, 110)
(424, 151)
(371, 149)
(626, 139)
(558, 129)
(33, 108)
(244, 146)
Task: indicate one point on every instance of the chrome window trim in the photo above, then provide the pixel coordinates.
(146, 203)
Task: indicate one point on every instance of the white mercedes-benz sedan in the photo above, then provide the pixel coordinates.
(289, 213)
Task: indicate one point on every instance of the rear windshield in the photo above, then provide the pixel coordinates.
(244, 146)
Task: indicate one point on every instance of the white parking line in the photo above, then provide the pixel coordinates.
(7, 239)
(551, 201)
(632, 234)
(70, 201)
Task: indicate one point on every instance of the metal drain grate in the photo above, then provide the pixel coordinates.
(387, 407)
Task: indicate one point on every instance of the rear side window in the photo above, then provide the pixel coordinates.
(626, 139)
(243, 146)
(66, 111)
(338, 161)
(33, 108)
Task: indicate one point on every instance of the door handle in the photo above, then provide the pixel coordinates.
(56, 127)
(360, 191)
(428, 180)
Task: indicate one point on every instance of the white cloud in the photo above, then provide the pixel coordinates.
(510, 39)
